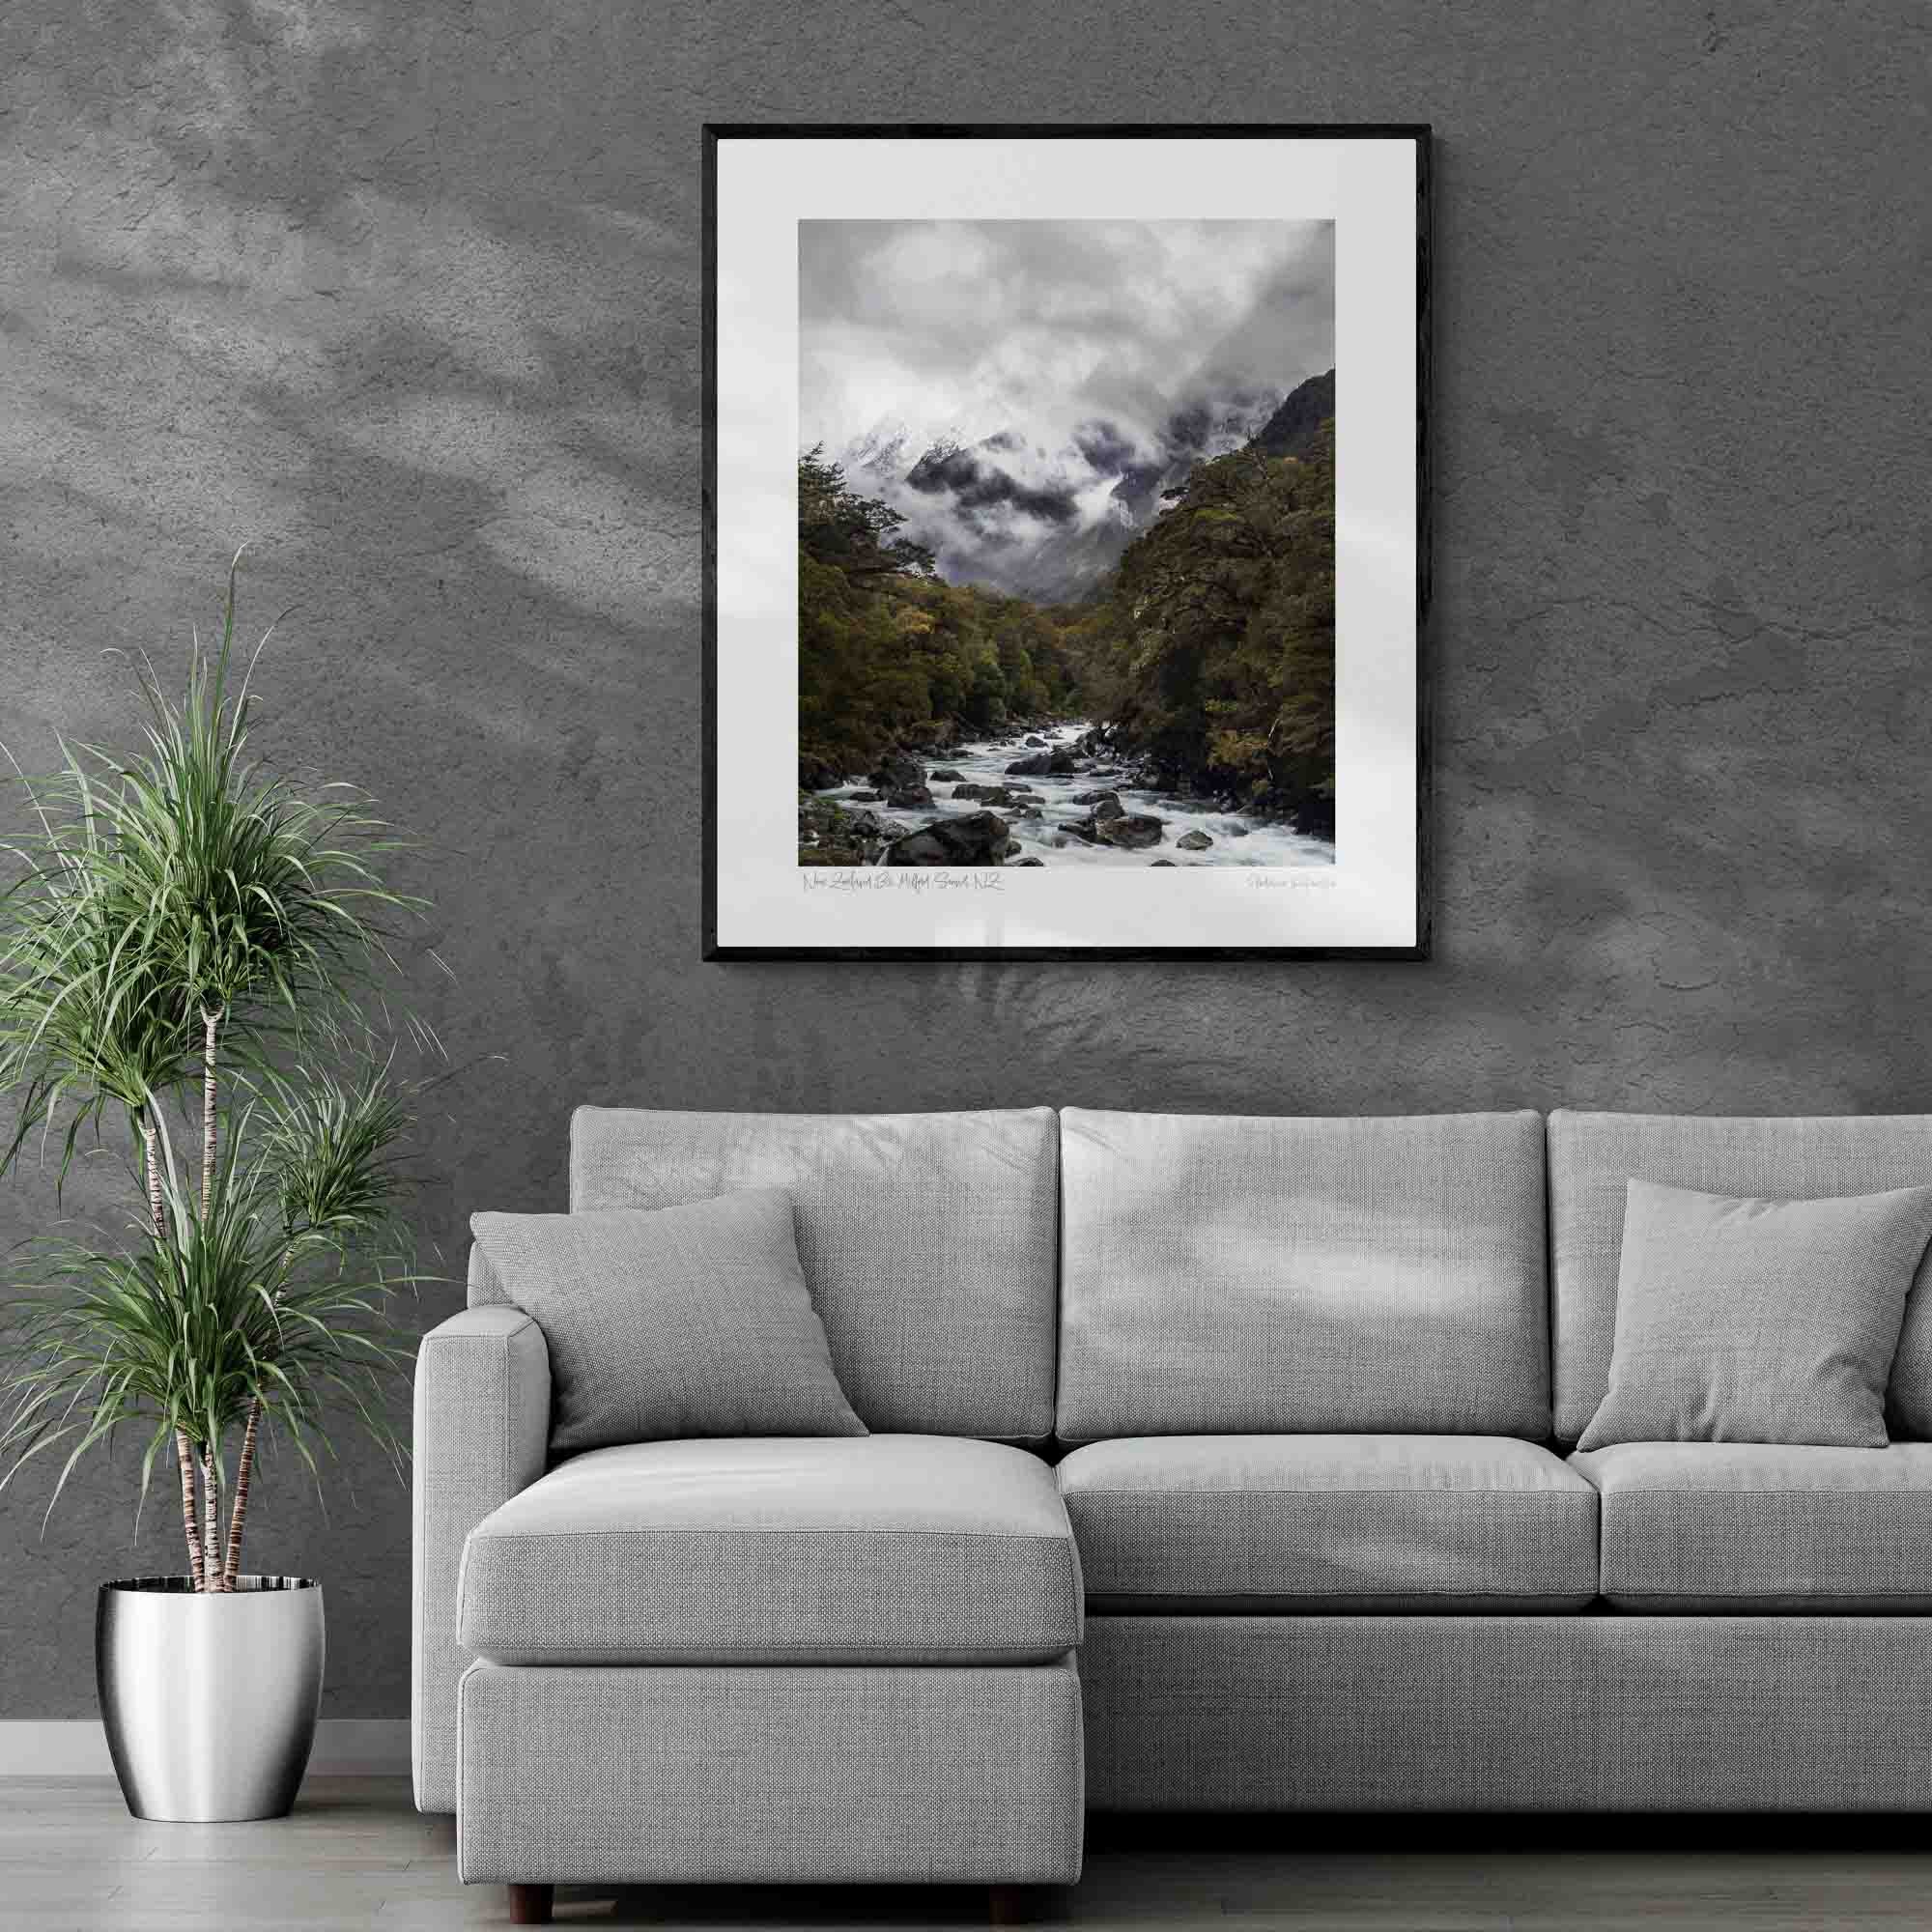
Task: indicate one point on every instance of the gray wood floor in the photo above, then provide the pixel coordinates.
(356, 1853)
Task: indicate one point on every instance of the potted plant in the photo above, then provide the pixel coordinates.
(186, 950)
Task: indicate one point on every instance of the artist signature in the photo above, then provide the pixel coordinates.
(934, 879)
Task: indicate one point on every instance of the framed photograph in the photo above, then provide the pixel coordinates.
(1066, 542)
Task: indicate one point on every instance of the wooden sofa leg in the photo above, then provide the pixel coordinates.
(530, 1904)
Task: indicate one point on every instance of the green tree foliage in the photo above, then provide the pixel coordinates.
(858, 535)
(1214, 653)
(889, 655)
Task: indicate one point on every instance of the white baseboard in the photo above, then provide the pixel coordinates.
(78, 1747)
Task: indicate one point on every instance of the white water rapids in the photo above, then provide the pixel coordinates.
(1238, 840)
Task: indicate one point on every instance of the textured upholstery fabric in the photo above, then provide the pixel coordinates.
(1339, 1522)
(1234, 1275)
(962, 1776)
(1532, 1714)
(1593, 1156)
(914, 1547)
(688, 1321)
(1740, 1319)
(927, 1241)
(482, 1421)
(1761, 1526)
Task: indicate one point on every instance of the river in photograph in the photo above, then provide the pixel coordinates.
(1237, 839)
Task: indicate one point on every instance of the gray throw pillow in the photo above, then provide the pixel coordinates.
(671, 1321)
(1743, 1321)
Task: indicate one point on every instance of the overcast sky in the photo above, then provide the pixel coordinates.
(1081, 345)
(1041, 325)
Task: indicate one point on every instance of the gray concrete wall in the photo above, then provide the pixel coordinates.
(408, 295)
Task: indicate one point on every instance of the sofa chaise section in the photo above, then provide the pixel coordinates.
(836, 1549)
(969, 1775)
(845, 1659)
(839, 1659)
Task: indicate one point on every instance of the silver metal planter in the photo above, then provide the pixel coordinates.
(210, 1700)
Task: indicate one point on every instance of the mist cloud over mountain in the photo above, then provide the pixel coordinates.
(1023, 392)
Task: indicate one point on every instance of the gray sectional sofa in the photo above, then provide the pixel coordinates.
(1216, 1465)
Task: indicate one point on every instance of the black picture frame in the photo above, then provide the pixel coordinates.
(1420, 134)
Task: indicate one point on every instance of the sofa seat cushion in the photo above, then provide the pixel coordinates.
(1739, 1527)
(1256, 1524)
(795, 1549)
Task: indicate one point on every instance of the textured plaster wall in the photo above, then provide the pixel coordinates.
(408, 295)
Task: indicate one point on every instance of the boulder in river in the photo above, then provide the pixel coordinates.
(897, 773)
(967, 790)
(1132, 831)
(978, 839)
(1193, 842)
(864, 798)
(1040, 764)
(818, 774)
(1039, 741)
(1028, 862)
(1237, 831)
(909, 798)
(942, 777)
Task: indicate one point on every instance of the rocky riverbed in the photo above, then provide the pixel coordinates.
(1051, 797)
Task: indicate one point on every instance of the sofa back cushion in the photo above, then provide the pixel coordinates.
(1593, 1157)
(928, 1243)
(1243, 1275)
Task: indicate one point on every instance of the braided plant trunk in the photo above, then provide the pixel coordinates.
(184, 1460)
(237, 1514)
(213, 1564)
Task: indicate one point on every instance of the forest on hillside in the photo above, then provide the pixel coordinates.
(1206, 657)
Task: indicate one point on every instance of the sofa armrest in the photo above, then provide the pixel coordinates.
(482, 1433)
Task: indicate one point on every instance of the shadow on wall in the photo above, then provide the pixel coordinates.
(414, 298)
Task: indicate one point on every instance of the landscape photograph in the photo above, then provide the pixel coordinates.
(1066, 543)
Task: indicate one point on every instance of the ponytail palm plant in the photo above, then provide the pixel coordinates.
(184, 953)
